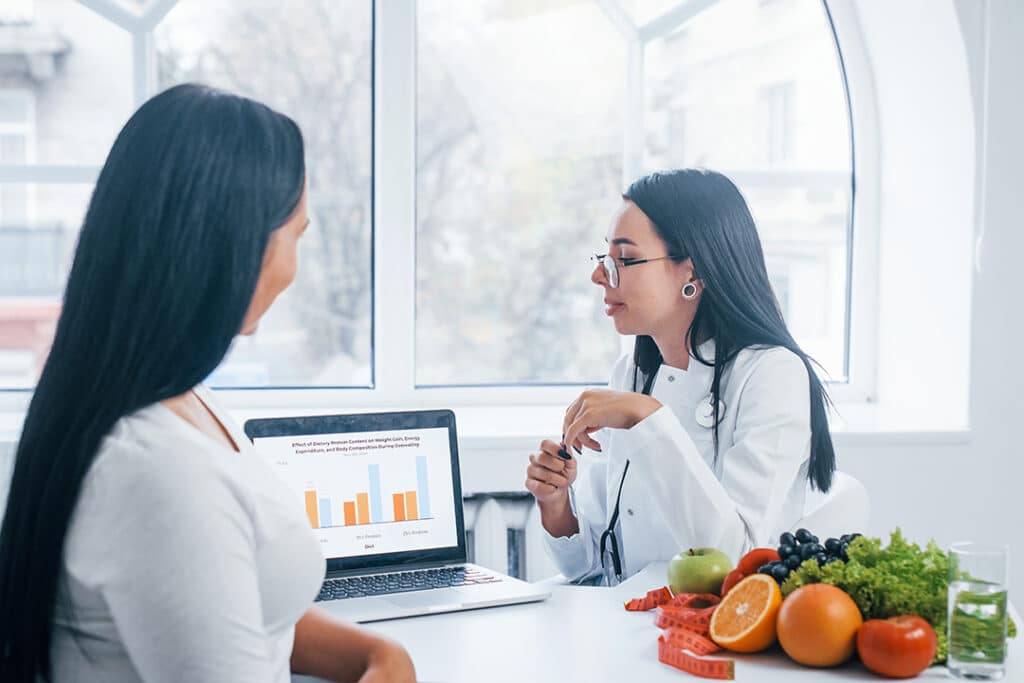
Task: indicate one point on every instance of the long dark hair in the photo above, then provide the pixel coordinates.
(166, 266)
(701, 215)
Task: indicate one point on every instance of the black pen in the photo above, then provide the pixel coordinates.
(563, 452)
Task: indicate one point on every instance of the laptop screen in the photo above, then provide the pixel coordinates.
(378, 490)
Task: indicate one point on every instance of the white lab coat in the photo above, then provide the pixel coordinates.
(675, 495)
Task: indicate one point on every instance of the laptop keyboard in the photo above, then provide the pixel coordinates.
(402, 582)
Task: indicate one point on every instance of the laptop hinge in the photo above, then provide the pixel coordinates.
(392, 569)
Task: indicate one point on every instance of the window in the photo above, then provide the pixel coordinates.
(17, 128)
(677, 133)
(312, 61)
(16, 11)
(641, 12)
(35, 254)
(71, 76)
(525, 121)
(517, 174)
(74, 67)
(57, 122)
(765, 104)
(776, 121)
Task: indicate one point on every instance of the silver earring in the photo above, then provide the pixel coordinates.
(689, 290)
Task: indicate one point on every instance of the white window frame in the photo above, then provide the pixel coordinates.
(394, 196)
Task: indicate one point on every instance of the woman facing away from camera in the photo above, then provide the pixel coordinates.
(144, 539)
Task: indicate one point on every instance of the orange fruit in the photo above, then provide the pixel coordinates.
(745, 619)
(817, 625)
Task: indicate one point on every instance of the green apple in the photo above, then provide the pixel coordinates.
(698, 571)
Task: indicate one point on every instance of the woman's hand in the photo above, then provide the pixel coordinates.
(599, 408)
(389, 662)
(548, 476)
(329, 648)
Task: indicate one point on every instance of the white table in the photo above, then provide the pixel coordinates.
(584, 634)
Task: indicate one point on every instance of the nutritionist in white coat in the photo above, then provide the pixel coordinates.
(710, 432)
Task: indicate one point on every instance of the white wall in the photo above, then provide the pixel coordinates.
(971, 490)
(998, 377)
(927, 168)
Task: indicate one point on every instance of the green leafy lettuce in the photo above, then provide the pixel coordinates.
(887, 582)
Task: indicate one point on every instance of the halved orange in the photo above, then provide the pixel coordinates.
(745, 619)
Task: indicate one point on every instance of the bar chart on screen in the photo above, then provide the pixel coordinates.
(370, 492)
(367, 506)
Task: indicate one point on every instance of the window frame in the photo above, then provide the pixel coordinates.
(394, 211)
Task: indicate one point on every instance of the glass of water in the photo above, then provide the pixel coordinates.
(978, 576)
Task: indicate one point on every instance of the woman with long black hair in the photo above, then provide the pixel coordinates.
(716, 422)
(144, 540)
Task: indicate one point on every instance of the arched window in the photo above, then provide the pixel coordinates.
(532, 118)
(464, 160)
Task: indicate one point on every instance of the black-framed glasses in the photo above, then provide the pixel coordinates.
(612, 264)
(608, 539)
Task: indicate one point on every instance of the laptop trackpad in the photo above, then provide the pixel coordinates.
(440, 596)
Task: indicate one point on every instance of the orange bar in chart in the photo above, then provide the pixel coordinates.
(362, 508)
(311, 512)
(411, 511)
(399, 500)
(350, 513)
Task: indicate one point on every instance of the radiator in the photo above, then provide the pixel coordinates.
(503, 533)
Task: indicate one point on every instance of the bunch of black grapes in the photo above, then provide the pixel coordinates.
(803, 545)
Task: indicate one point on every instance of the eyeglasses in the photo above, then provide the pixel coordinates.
(612, 264)
(608, 538)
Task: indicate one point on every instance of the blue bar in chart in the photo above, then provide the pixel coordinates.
(424, 489)
(376, 510)
(325, 512)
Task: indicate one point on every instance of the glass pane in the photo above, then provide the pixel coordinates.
(311, 60)
(75, 72)
(754, 89)
(16, 11)
(15, 108)
(519, 169)
(13, 148)
(643, 11)
(37, 241)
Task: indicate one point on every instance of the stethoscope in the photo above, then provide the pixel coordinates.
(704, 415)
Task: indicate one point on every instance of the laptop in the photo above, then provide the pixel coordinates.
(383, 495)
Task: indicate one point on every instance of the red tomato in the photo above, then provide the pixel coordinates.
(731, 579)
(900, 647)
(755, 559)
